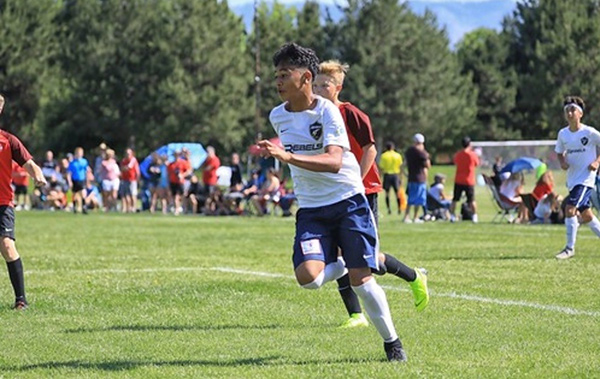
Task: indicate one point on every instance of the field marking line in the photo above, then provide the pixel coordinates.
(450, 295)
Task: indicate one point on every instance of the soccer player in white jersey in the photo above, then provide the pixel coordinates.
(576, 146)
(334, 211)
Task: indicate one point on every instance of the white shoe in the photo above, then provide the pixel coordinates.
(475, 219)
(566, 253)
(407, 221)
(418, 221)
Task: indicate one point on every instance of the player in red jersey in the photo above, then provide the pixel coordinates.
(12, 149)
(329, 84)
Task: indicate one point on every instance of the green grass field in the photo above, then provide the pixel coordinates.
(146, 296)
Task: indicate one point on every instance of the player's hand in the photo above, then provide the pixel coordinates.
(269, 149)
(40, 182)
(593, 166)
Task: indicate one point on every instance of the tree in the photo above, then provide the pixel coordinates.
(555, 49)
(483, 56)
(404, 75)
(28, 45)
(146, 72)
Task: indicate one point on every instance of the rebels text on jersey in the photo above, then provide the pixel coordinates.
(580, 151)
(308, 133)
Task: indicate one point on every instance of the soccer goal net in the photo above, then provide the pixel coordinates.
(509, 150)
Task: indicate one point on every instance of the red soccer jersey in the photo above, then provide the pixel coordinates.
(465, 161)
(10, 149)
(130, 169)
(20, 177)
(177, 167)
(209, 176)
(360, 134)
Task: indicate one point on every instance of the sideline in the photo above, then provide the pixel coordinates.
(450, 295)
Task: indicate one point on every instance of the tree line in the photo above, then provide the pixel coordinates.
(142, 73)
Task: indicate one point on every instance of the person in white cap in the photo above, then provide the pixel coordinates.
(418, 163)
(576, 147)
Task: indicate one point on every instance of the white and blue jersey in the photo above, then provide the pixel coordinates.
(308, 133)
(579, 149)
(334, 211)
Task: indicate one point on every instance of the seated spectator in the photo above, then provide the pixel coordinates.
(543, 186)
(215, 204)
(510, 191)
(195, 196)
(545, 207)
(438, 202)
(91, 198)
(269, 191)
(50, 196)
(496, 168)
(286, 202)
(49, 165)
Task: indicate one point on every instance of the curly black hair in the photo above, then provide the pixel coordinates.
(297, 56)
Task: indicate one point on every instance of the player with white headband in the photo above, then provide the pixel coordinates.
(576, 146)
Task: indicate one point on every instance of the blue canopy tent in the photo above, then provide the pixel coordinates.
(197, 155)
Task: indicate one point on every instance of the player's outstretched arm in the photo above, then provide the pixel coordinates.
(330, 161)
(35, 172)
(368, 158)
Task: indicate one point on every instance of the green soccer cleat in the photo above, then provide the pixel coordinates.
(356, 320)
(419, 289)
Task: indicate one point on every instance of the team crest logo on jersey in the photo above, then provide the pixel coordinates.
(584, 141)
(316, 130)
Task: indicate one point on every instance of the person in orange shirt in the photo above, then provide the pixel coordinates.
(20, 180)
(464, 181)
(178, 170)
(209, 167)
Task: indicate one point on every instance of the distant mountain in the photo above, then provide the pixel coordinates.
(458, 17)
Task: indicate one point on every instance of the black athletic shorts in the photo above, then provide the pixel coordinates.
(78, 185)
(7, 221)
(391, 181)
(468, 190)
(176, 188)
(20, 190)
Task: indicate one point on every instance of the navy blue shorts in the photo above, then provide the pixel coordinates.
(348, 224)
(579, 197)
(417, 193)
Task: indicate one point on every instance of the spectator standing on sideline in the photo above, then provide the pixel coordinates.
(329, 84)
(334, 211)
(12, 149)
(50, 165)
(178, 170)
(235, 183)
(209, 167)
(110, 174)
(466, 162)
(130, 174)
(417, 160)
(20, 179)
(576, 148)
(77, 174)
(390, 163)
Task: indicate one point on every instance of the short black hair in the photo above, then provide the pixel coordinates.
(389, 145)
(574, 100)
(297, 56)
(466, 141)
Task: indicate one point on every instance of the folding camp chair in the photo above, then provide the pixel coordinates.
(505, 208)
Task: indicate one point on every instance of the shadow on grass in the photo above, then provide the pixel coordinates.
(129, 365)
(496, 258)
(174, 328)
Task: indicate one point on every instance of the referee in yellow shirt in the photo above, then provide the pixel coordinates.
(390, 164)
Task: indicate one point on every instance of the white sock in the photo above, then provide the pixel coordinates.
(475, 218)
(376, 305)
(595, 226)
(331, 272)
(572, 224)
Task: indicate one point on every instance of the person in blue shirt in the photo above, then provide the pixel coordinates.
(77, 175)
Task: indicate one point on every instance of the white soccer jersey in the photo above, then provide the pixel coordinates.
(580, 151)
(308, 133)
